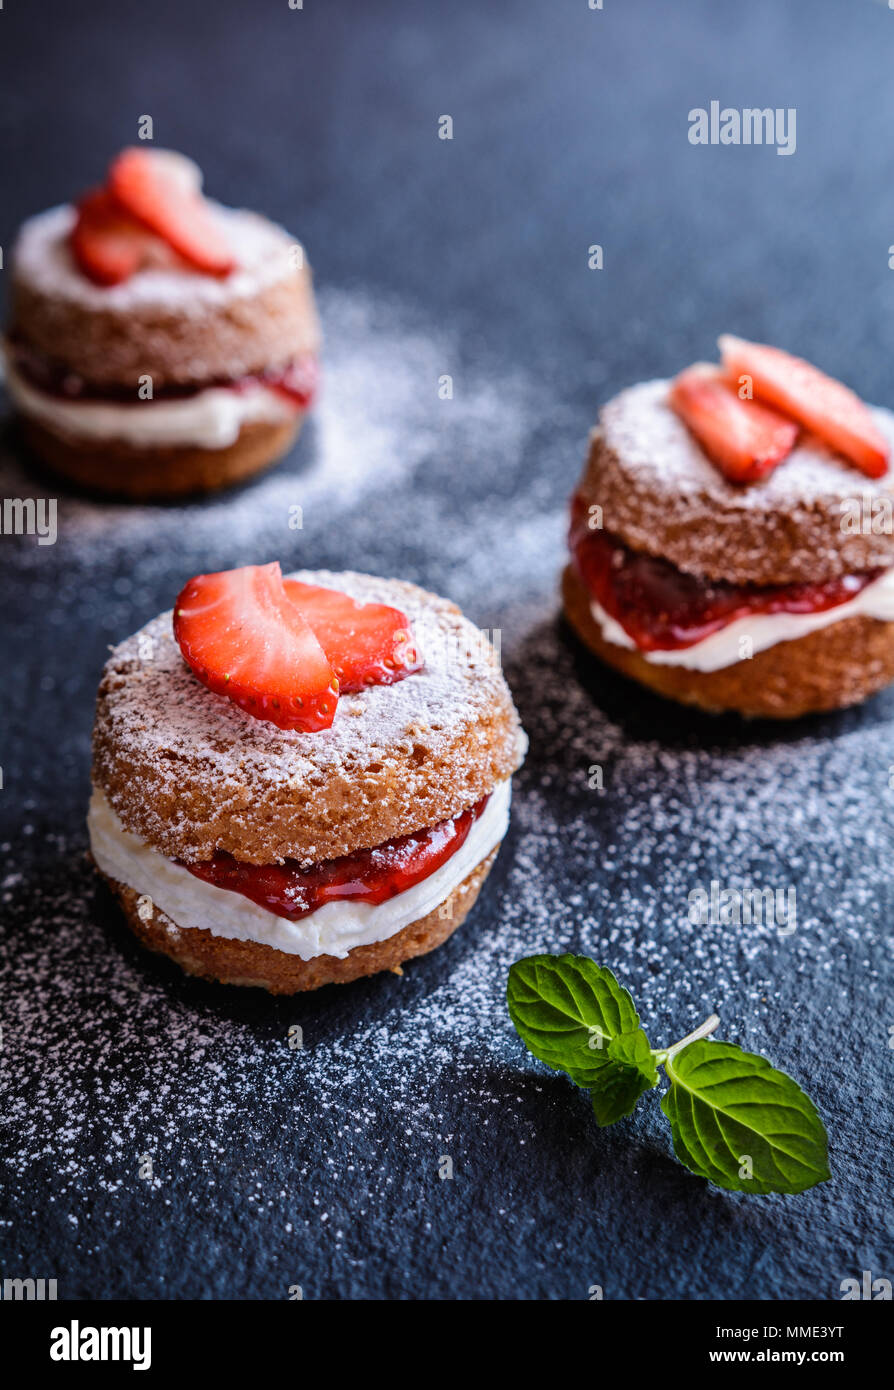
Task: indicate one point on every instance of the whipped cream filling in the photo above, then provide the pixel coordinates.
(762, 630)
(333, 929)
(209, 419)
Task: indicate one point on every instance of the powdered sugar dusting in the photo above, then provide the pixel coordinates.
(376, 424)
(641, 428)
(263, 252)
(209, 1089)
(326, 1156)
(157, 720)
(803, 523)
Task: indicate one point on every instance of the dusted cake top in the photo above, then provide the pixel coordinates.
(192, 773)
(661, 494)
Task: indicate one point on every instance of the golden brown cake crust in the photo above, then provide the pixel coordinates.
(187, 329)
(829, 669)
(231, 962)
(662, 496)
(117, 469)
(191, 773)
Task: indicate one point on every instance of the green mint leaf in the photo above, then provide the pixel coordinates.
(732, 1114)
(630, 1072)
(567, 1009)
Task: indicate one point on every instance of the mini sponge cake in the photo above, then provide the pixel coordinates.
(728, 577)
(260, 855)
(159, 344)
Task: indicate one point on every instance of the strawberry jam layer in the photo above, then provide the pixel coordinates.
(367, 876)
(296, 382)
(662, 609)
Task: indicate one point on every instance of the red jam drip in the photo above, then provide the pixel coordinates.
(662, 609)
(366, 876)
(297, 381)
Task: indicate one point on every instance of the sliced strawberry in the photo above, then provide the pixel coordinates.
(365, 643)
(180, 169)
(108, 245)
(145, 186)
(818, 402)
(244, 639)
(744, 440)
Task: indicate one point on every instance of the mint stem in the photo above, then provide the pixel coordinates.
(702, 1031)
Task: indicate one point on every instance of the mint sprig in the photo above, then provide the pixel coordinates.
(724, 1103)
(630, 1073)
(568, 1010)
(735, 1119)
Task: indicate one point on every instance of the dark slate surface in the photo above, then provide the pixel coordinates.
(319, 1167)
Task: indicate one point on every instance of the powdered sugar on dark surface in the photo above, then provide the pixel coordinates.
(318, 1166)
(273, 1165)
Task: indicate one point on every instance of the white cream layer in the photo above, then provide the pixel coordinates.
(331, 930)
(763, 630)
(210, 419)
